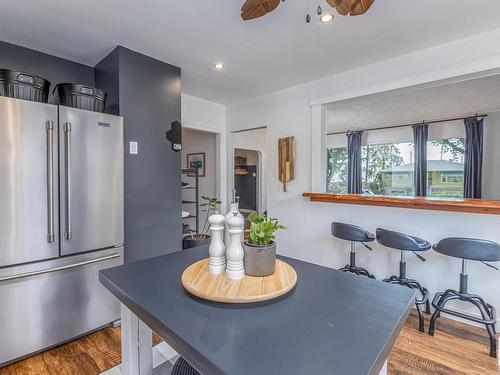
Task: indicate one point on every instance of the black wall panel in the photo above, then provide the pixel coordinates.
(55, 69)
(148, 95)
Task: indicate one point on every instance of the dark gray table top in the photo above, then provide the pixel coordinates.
(331, 323)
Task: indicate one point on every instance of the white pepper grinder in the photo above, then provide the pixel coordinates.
(217, 249)
(233, 207)
(235, 269)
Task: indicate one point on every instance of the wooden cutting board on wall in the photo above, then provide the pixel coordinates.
(286, 160)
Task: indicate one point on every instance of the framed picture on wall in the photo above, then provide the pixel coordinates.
(197, 161)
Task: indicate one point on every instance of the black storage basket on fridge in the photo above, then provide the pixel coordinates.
(81, 96)
(21, 85)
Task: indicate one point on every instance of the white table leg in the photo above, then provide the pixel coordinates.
(137, 358)
(384, 369)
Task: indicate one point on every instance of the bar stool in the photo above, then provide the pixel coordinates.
(467, 249)
(404, 243)
(182, 367)
(354, 234)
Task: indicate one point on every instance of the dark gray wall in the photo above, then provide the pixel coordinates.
(55, 69)
(106, 76)
(147, 93)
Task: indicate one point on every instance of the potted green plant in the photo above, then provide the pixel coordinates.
(260, 248)
(210, 206)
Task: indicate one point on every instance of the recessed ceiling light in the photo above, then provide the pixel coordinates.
(219, 66)
(326, 17)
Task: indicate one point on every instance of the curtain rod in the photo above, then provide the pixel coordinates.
(249, 129)
(407, 125)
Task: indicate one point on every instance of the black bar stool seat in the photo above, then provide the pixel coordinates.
(403, 243)
(400, 241)
(475, 250)
(354, 234)
(182, 367)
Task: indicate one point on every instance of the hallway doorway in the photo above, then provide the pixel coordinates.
(246, 178)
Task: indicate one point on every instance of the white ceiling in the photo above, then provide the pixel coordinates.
(263, 55)
(416, 104)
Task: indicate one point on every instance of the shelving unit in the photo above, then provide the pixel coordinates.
(193, 172)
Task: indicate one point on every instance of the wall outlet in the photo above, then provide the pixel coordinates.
(133, 148)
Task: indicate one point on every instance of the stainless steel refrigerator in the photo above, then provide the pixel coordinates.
(61, 221)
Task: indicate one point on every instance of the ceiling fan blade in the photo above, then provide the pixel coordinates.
(342, 6)
(350, 7)
(361, 7)
(253, 13)
(252, 4)
(257, 8)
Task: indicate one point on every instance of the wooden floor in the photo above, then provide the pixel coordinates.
(456, 349)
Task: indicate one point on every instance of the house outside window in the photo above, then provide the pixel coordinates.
(445, 168)
(388, 168)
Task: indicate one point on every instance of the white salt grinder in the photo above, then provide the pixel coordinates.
(235, 269)
(233, 207)
(217, 249)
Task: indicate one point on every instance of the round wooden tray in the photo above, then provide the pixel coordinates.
(201, 283)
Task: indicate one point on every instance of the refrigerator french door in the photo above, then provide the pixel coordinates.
(91, 154)
(29, 225)
(61, 221)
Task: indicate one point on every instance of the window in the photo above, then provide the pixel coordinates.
(336, 170)
(452, 178)
(387, 169)
(445, 168)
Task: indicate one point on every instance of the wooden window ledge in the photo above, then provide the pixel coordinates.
(478, 206)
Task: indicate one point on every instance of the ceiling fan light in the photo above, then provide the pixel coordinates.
(325, 18)
(219, 66)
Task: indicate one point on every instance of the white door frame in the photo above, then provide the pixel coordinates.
(262, 200)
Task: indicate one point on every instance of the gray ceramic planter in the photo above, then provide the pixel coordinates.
(259, 260)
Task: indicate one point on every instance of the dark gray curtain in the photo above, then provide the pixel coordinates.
(354, 183)
(473, 168)
(420, 137)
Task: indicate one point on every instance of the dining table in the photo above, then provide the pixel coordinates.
(331, 322)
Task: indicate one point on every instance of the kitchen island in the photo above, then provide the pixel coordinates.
(331, 323)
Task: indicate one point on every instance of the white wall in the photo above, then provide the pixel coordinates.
(195, 141)
(288, 112)
(204, 115)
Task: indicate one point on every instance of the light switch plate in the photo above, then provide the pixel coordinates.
(133, 150)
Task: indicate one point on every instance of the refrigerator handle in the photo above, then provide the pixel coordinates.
(49, 126)
(60, 268)
(67, 179)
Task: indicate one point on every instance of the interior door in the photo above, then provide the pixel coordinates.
(28, 183)
(91, 149)
(246, 188)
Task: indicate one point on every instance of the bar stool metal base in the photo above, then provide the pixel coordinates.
(357, 271)
(352, 268)
(182, 367)
(412, 284)
(488, 312)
